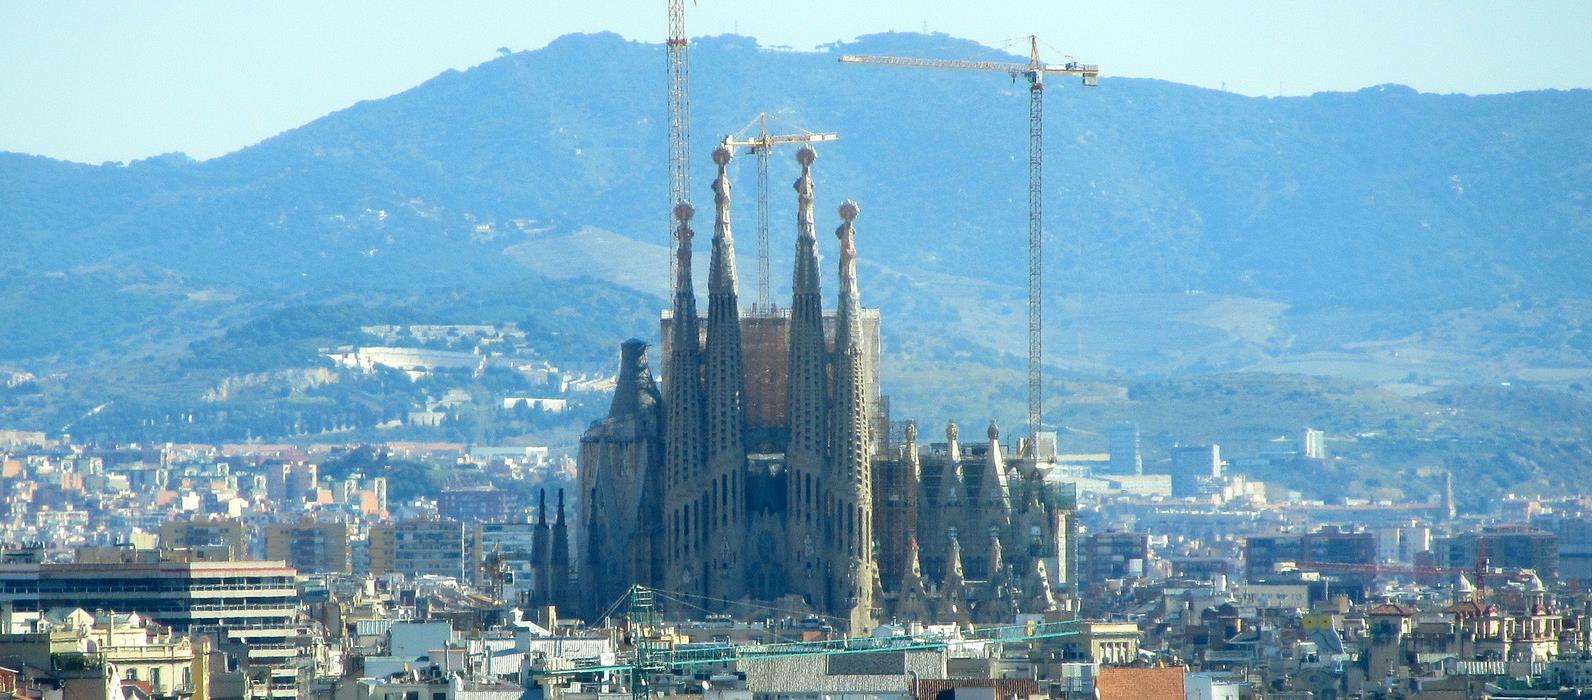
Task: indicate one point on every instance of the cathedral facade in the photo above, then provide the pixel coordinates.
(750, 477)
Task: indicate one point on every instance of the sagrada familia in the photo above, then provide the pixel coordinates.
(762, 479)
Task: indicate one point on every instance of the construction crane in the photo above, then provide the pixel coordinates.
(679, 124)
(1034, 72)
(651, 653)
(762, 144)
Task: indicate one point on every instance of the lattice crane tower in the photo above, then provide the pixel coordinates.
(762, 144)
(679, 122)
(1034, 72)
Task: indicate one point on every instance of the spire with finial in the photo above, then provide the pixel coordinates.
(725, 383)
(806, 405)
(683, 450)
(852, 446)
(721, 275)
(805, 277)
(682, 252)
(850, 303)
(953, 450)
(952, 606)
(912, 595)
(993, 483)
(805, 401)
(852, 442)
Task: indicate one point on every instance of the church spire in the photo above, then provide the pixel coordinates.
(683, 421)
(805, 278)
(806, 407)
(952, 607)
(848, 330)
(541, 557)
(806, 397)
(912, 599)
(560, 558)
(994, 488)
(851, 446)
(721, 272)
(726, 454)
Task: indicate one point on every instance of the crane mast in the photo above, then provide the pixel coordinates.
(1036, 236)
(679, 124)
(762, 145)
(1034, 72)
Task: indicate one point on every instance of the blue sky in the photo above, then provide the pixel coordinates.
(96, 81)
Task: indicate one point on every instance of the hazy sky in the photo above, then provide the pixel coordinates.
(119, 80)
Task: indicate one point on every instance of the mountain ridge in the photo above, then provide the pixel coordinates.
(1205, 251)
(1381, 200)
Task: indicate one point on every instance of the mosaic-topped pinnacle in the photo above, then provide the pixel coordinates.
(684, 211)
(849, 211)
(721, 157)
(806, 155)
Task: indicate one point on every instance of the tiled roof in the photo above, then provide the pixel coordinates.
(1393, 609)
(1140, 684)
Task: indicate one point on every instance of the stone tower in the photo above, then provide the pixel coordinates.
(852, 446)
(805, 454)
(621, 530)
(684, 526)
(725, 383)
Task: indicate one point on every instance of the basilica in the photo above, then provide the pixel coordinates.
(765, 477)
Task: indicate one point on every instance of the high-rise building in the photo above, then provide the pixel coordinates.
(1321, 551)
(250, 609)
(1312, 444)
(1124, 448)
(1193, 466)
(217, 532)
(1114, 555)
(310, 547)
(1505, 546)
(420, 548)
(475, 504)
(292, 482)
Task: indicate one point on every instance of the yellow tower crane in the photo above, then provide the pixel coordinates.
(762, 144)
(1034, 72)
